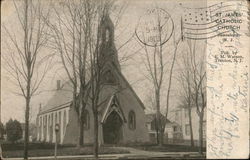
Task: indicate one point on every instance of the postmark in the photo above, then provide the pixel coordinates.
(222, 19)
(155, 27)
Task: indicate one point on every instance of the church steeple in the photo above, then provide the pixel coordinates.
(108, 52)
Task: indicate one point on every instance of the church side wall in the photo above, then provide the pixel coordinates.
(46, 125)
(89, 133)
(128, 102)
(72, 129)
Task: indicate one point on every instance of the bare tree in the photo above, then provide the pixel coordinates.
(185, 79)
(198, 72)
(98, 61)
(100, 39)
(156, 67)
(76, 22)
(70, 40)
(24, 61)
(175, 44)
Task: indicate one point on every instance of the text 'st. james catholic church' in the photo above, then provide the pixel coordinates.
(121, 113)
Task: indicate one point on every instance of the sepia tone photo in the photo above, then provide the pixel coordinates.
(112, 79)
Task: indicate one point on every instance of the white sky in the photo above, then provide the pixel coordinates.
(12, 106)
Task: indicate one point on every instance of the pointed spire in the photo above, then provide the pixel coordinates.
(108, 49)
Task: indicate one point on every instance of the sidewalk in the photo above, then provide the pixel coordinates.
(134, 154)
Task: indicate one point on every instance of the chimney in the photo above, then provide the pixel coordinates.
(58, 84)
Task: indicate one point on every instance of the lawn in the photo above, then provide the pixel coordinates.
(170, 148)
(43, 149)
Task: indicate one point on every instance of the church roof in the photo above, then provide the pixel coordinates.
(129, 86)
(61, 97)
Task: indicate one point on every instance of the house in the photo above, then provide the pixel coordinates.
(181, 117)
(32, 131)
(171, 128)
(151, 126)
(121, 114)
(173, 132)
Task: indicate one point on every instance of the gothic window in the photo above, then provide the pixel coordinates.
(86, 122)
(49, 122)
(107, 35)
(52, 121)
(64, 121)
(132, 120)
(45, 126)
(60, 118)
(40, 128)
(51, 125)
(45, 121)
(56, 121)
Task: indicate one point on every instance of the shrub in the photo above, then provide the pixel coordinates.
(13, 130)
(2, 130)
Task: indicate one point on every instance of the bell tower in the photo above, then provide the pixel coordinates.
(108, 52)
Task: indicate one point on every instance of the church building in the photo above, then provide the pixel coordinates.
(121, 115)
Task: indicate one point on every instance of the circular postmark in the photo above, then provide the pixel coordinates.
(155, 27)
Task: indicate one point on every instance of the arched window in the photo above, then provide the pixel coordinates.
(64, 121)
(52, 120)
(40, 128)
(56, 121)
(49, 124)
(131, 120)
(86, 124)
(45, 127)
(49, 121)
(107, 35)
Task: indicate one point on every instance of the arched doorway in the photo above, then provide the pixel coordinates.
(112, 129)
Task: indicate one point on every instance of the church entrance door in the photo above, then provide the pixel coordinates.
(112, 129)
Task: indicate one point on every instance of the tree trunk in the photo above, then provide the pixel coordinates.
(96, 135)
(158, 118)
(81, 119)
(28, 96)
(26, 130)
(191, 125)
(161, 135)
(81, 128)
(157, 130)
(201, 133)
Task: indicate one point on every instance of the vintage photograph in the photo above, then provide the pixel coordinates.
(105, 79)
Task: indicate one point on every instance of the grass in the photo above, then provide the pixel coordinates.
(170, 148)
(44, 149)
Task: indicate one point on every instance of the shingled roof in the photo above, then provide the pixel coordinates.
(61, 97)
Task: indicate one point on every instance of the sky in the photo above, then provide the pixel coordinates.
(12, 106)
